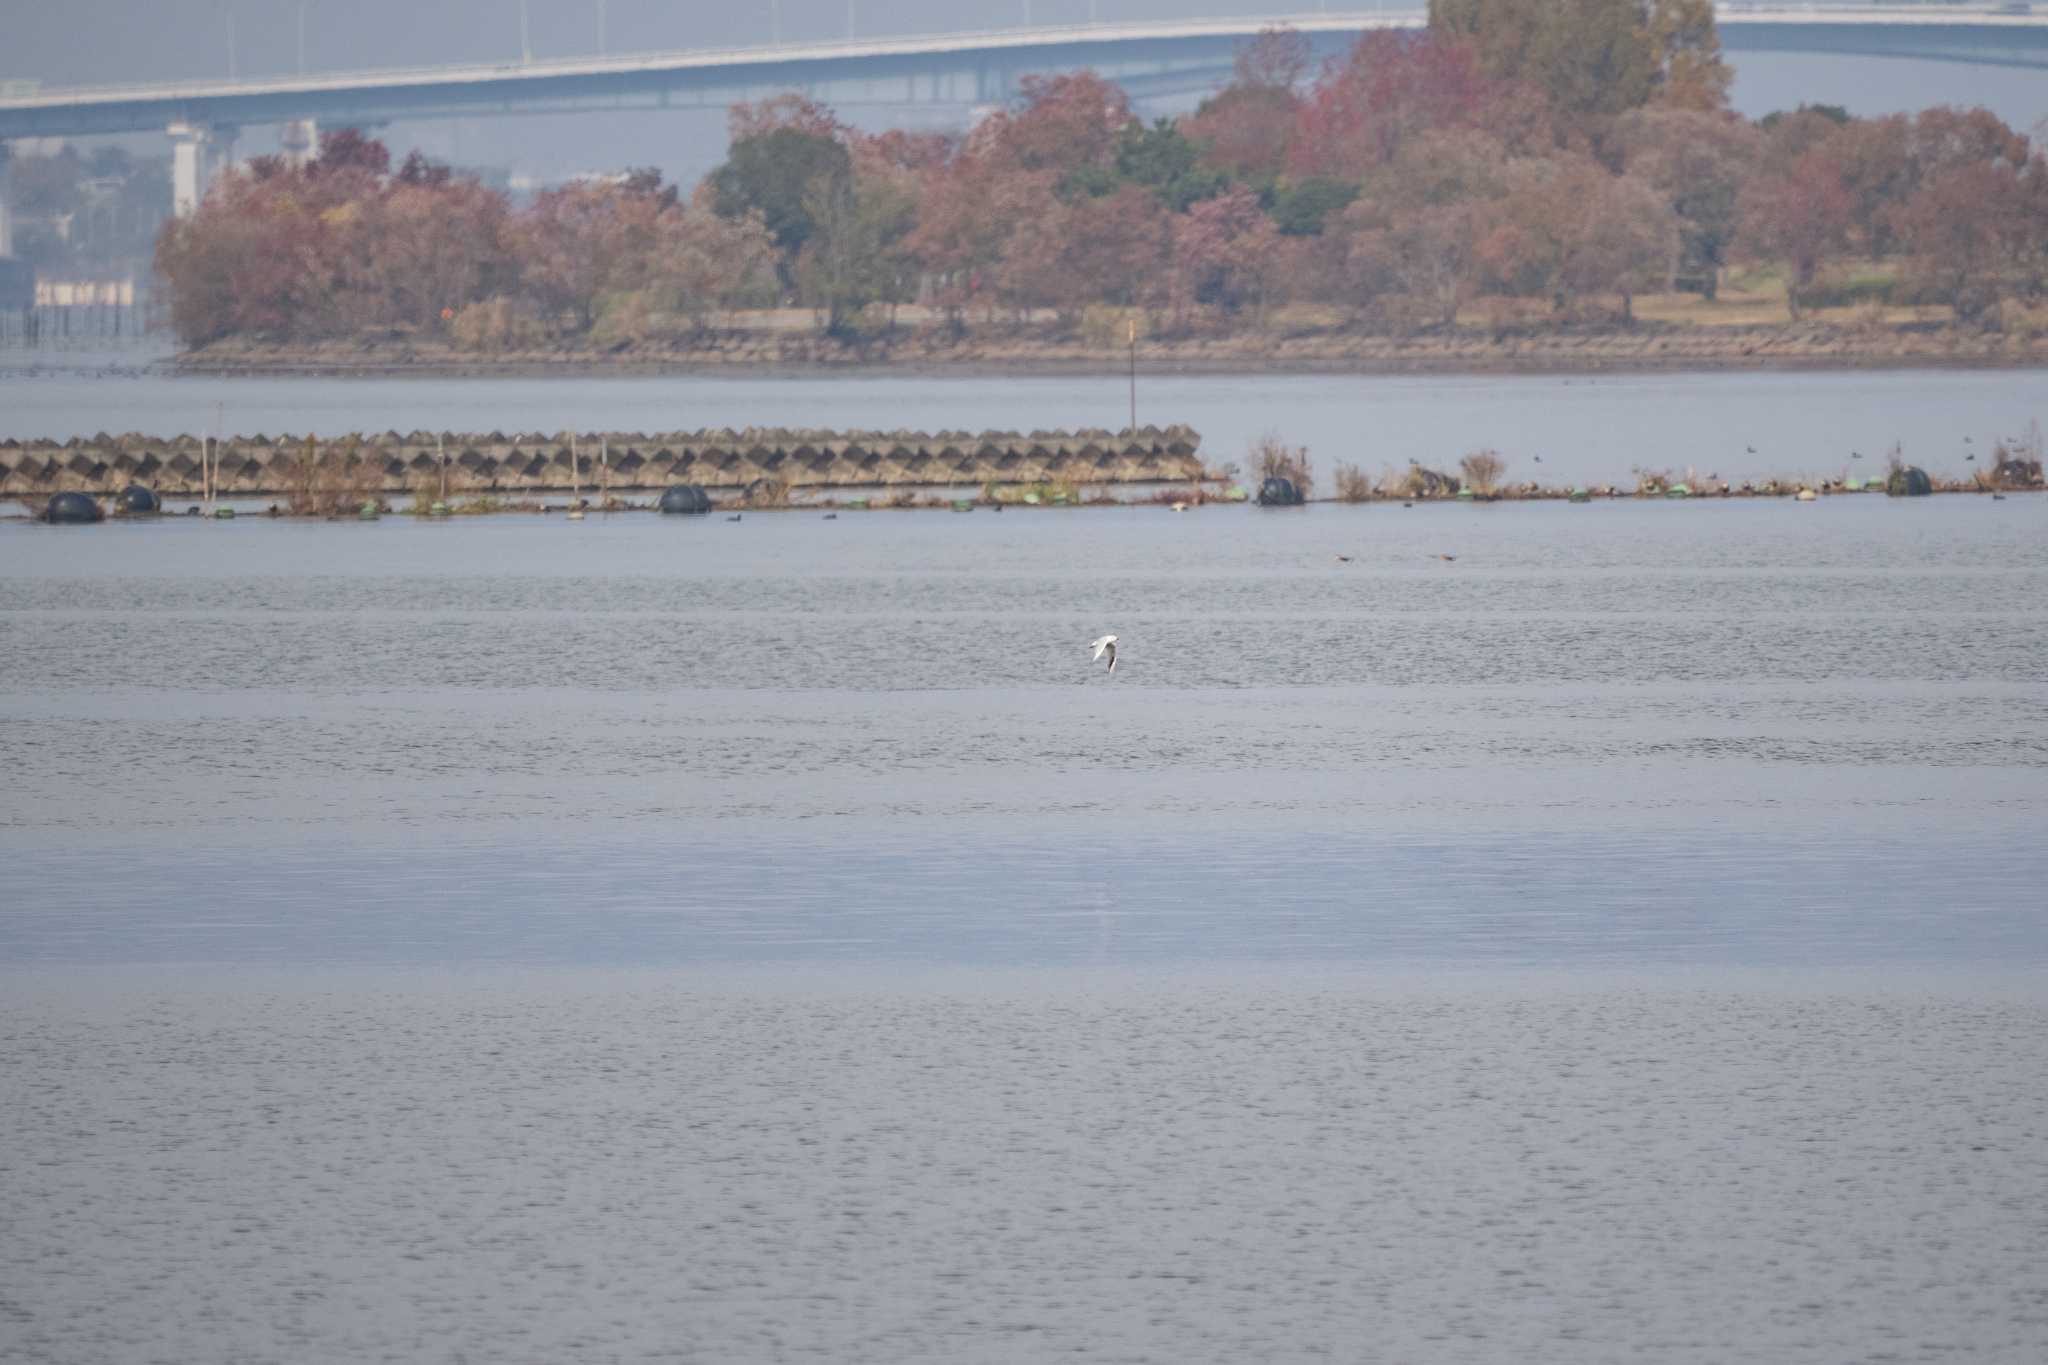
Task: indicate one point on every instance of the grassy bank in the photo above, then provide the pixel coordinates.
(1745, 328)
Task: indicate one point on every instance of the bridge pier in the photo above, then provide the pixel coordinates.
(199, 152)
(188, 167)
(6, 200)
(300, 141)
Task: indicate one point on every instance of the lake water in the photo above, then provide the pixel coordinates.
(670, 938)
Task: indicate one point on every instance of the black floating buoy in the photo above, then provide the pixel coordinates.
(137, 501)
(71, 509)
(684, 498)
(1279, 492)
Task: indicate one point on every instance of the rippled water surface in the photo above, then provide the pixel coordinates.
(1742, 732)
(675, 939)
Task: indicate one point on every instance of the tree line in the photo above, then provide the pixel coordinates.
(1561, 158)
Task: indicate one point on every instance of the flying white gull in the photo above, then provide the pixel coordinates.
(1106, 645)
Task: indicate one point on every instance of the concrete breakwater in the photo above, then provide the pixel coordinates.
(497, 463)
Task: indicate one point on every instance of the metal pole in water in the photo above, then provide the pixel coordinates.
(441, 450)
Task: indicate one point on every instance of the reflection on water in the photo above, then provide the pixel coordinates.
(1730, 733)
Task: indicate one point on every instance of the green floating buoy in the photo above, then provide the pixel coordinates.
(1678, 490)
(223, 514)
(439, 509)
(1031, 499)
(962, 505)
(1465, 493)
(1579, 495)
(368, 512)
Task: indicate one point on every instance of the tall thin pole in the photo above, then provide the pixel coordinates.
(525, 36)
(441, 449)
(604, 465)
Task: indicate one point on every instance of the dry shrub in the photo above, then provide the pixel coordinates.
(1353, 484)
(1105, 328)
(1272, 458)
(498, 324)
(1420, 481)
(331, 481)
(768, 492)
(1482, 470)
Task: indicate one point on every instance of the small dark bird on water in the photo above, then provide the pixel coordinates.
(1539, 459)
(1998, 497)
(1969, 457)
(1407, 504)
(734, 517)
(831, 516)
(1343, 559)
(1750, 449)
(1855, 454)
(1447, 558)
(1966, 440)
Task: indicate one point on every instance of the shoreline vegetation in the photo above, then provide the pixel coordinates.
(768, 351)
(1519, 186)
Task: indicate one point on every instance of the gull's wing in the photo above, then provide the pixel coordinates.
(1107, 642)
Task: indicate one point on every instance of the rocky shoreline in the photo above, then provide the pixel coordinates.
(1643, 348)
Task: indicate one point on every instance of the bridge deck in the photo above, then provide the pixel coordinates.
(1156, 57)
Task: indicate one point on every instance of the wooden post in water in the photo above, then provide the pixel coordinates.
(441, 450)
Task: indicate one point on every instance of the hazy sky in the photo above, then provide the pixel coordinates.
(99, 40)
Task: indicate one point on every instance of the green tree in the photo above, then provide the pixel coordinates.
(859, 253)
(777, 174)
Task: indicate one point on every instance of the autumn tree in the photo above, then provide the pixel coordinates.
(1223, 253)
(703, 262)
(1244, 130)
(430, 243)
(1591, 57)
(1392, 87)
(1568, 228)
(1686, 46)
(1067, 123)
(1069, 255)
(1698, 161)
(1799, 215)
(1416, 234)
(580, 241)
(1973, 230)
